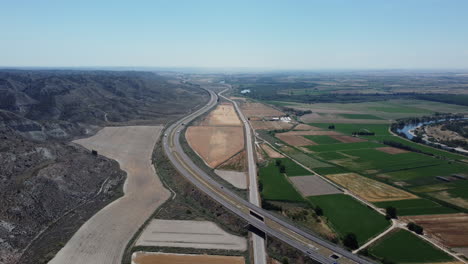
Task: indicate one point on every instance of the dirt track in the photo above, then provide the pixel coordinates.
(102, 239)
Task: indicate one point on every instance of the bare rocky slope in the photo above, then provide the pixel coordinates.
(48, 186)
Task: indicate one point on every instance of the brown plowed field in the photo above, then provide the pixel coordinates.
(271, 152)
(348, 139)
(296, 141)
(368, 189)
(306, 127)
(163, 258)
(215, 144)
(450, 229)
(391, 150)
(223, 115)
(259, 110)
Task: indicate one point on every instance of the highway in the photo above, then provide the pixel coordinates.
(311, 245)
(254, 197)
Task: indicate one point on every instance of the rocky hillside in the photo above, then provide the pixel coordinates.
(50, 187)
(60, 104)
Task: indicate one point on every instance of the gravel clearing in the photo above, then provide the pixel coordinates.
(103, 238)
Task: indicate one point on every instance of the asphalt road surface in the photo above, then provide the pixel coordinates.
(254, 197)
(309, 243)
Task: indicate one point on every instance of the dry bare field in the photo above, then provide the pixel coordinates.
(166, 258)
(259, 110)
(103, 238)
(271, 152)
(391, 150)
(368, 189)
(215, 144)
(445, 196)
(236, 178)
(313, 185)
(294, 140)
(189, 234)
(270, 125)
(450, 229)
(236, 162)
(223, 115)
(306, 127)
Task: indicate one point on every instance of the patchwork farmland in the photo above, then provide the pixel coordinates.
(354, 155)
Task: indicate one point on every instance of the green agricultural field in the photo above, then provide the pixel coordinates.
(416, 207)
(348, 129)
(275, 186)
(331, 156)
(307, 160)
(372, 159)
(293, 169)
(360, 116)
(348, 215)
(322, 139)
(390, 109)
(423, 148)
(345, 146)
(405, 247)
(330, 170)
(427, 174)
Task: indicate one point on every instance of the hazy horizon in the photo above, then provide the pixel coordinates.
(264, 35)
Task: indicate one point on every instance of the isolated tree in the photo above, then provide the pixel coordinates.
(391, 212)
(278, 162)
(331, 127)
(318, 210)
(282, 169)
(94, 152)
(350, 241)
(415, 228)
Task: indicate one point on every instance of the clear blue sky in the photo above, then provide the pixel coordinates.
(286, 34)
